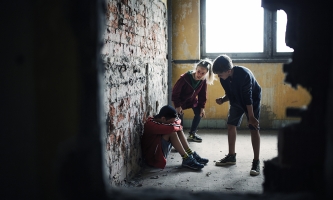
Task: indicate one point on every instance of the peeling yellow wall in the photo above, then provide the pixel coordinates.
(185, 29)
(276, 94)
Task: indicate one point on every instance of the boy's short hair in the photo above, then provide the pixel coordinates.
(222, 64)
(168, 112)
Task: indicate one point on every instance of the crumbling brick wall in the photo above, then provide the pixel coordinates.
(136, 79)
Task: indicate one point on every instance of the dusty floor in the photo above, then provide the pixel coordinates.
(229, 179)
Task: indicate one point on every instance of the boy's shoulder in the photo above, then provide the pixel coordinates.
(241, 70)
(151, 120)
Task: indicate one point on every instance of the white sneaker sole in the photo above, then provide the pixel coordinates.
(254, 173)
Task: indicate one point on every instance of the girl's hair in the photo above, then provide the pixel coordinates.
(207, 63)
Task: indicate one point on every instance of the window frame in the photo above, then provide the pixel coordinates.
(268, 55)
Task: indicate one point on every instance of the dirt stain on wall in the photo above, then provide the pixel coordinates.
(267, 117)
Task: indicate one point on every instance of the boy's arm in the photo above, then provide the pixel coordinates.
(252, 120)
(247, 90)
(154, 127)
(247, 94)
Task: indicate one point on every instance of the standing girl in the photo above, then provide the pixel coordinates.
(190, 91)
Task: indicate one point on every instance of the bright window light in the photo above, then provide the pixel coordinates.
(234, 26)
(280, 32)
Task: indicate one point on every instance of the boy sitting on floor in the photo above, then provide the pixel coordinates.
(163, 131)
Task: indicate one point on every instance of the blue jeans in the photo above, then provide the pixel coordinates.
(195, 121)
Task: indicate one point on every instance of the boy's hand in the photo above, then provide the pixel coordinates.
(254, 122)
(219, 101)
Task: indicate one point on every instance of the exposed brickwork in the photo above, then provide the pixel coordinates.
(136, 81)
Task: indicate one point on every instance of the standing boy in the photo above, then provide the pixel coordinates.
(243, 93)
(163, 131)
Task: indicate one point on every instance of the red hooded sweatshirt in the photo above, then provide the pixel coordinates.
(151, 144)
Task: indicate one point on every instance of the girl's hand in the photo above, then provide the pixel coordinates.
(202, 113)
(179, 110)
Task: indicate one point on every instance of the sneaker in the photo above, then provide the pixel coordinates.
(191, 163)
(195, 137)
(227, 160)
(255, 170)
(199, 159)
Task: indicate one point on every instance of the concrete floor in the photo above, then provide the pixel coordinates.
(229, 179)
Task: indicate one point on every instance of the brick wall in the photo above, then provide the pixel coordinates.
(136, 79)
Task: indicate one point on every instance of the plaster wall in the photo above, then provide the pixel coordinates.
(185, 29)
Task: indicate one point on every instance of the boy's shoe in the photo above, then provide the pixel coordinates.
(191, 163)
(199, 159)
(255, 170)
(227, 160)
(194, 137)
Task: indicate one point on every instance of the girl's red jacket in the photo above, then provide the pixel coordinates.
(184, 95)
(151, 144)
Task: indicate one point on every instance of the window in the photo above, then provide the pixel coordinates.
(281, 23)
(243, 30)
